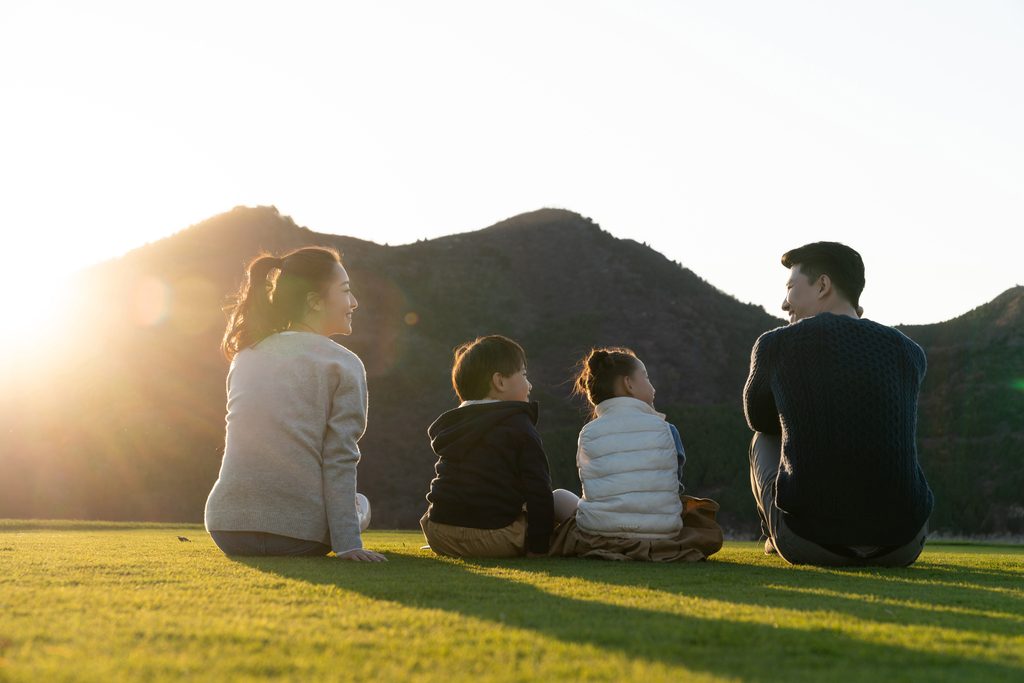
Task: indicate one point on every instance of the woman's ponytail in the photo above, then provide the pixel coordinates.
(597, 373)
(270, 301)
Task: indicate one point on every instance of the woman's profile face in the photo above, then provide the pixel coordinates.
(339, 302)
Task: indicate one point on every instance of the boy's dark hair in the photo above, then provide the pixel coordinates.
(477, 361)
(842, 264)
(596, 375)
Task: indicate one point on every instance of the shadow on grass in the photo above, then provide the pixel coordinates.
(949, 570)
(721, 646)
(944, 598)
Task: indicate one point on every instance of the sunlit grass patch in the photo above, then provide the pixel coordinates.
(82, 601)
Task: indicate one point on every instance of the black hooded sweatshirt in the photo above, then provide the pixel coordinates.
(490, 462)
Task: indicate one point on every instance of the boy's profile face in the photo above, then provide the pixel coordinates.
(515, 387)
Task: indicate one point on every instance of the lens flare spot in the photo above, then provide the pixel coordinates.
(151, 301)
(1018, 384)
(195, 307)
(411, 318)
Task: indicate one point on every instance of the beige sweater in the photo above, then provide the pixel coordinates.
(296, 408)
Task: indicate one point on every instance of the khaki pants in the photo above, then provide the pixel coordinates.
(460, 541)
(765, 454)
(699, 538)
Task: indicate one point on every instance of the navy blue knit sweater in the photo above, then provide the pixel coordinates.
(490, 462)
(842, 392)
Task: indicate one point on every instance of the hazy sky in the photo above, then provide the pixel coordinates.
(720, 133)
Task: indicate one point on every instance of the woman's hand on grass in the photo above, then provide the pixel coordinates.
(363, 555)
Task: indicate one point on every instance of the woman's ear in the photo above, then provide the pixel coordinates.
(314, 301)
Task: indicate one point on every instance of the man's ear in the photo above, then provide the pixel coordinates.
(314, 301)
(824, 286)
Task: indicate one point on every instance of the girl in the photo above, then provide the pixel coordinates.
(296, 408)
(630, 459)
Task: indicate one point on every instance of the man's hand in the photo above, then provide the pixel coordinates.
(363, 555)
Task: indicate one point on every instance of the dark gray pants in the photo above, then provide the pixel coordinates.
(261, 544)
(765, 454)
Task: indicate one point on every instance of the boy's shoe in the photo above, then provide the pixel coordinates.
(769, 548)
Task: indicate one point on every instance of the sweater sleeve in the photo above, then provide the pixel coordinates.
(345, 426)
(536, 481)
(680, 455)
(758, 401)
(920, 359)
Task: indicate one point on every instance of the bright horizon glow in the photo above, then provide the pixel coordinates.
(722, 134)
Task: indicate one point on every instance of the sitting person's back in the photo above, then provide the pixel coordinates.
(629, 472)
(296, 411)
(490, 462)
(846, 391)
(492, 494)
(833, 401)
(630, 461)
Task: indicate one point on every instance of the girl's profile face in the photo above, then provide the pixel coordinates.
(639, 385)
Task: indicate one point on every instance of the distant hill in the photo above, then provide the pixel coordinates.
(971, 416)
(126, 421)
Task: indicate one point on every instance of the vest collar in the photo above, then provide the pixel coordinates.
(625, 404)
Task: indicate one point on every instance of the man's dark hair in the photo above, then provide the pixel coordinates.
(477, 361)
(842, 264)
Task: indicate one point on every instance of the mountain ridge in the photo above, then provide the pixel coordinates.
(137, 428)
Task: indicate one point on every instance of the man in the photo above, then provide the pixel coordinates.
(832, 398)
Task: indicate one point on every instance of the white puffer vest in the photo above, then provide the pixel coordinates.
(628, 466)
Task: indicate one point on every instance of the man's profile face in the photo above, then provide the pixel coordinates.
(801, 296)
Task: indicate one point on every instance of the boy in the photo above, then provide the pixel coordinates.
(492, 493)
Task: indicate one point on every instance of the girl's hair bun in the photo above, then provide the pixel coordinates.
(596, 374)
(595, 359)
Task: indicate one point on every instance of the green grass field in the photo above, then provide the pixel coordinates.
(109, 602)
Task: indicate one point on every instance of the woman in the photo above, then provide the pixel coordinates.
(296, 408)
